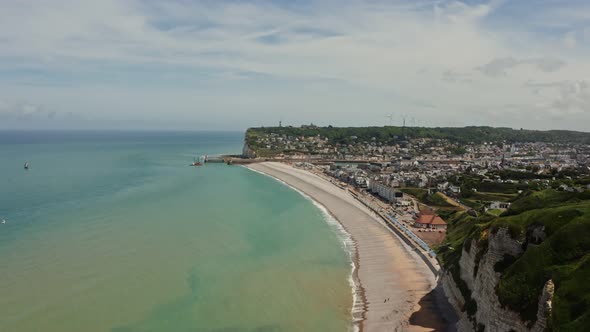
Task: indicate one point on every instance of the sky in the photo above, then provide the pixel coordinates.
(229, 65)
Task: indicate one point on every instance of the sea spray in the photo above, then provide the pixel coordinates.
(348, 245)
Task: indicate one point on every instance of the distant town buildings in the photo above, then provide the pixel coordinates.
(483, 175)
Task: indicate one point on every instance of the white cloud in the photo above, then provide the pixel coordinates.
(562, 101)
(456, 77)
(573, 98)
(328, 62)
(25, 112)
(570, 40)
(500, 66)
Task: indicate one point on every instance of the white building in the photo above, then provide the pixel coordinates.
(455, 189)
(499, 205)
(386, 192)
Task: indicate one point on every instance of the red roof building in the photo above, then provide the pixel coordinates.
(430, 220)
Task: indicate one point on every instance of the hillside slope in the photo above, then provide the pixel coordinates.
(527, 270)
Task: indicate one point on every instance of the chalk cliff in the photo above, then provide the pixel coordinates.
(473, 291)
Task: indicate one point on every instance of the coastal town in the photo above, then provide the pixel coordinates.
(421, 181)
(295, 166)
(480, 206)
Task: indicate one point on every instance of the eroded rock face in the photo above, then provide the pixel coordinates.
(477, 270)
(535, 235)
(248, 152)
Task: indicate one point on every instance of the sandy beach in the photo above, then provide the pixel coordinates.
(394, 286)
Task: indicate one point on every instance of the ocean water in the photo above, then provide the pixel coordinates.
(113, 231)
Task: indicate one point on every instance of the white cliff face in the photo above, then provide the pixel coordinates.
(248, 152)
(481, 279)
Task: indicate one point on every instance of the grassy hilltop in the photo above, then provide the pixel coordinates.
(563, 256)
(392, 134)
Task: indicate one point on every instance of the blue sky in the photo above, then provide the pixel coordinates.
(228, 65)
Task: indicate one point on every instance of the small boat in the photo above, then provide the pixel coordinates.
(27, 165)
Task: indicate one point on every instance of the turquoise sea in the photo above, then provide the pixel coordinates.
(113, 231)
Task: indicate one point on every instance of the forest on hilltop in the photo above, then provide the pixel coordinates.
(392, 134)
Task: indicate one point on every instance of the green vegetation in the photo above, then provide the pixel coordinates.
(528, 175)
(496, 188)
(562, 254)
(544, 199)
(457, 150)
(477, 200)
(571, 304)
(568, 240)
(483, 196)
(391, 134)
(434, 199)
(495, 212)
(474, 204)
(487, 189)
(463, 229)
(262, 152)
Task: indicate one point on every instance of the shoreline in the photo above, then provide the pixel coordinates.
(392, 287)
(349, 244)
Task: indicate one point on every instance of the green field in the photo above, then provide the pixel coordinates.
(490, 196)
(433, 199)
(495, 212)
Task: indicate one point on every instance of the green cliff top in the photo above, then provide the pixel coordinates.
(563, 256)
(391, 134)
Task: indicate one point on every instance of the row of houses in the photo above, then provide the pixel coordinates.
(449, 188)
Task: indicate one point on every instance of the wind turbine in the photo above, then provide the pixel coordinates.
(390, 117)
(404, 126)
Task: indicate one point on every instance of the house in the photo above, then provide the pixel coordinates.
(455, 189)
(567, 188)
(499, 205)
(429, 220)
(360, 181)
(403, 202)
